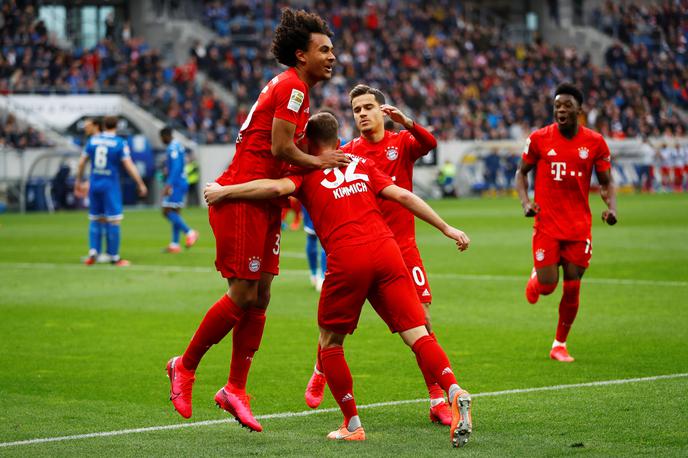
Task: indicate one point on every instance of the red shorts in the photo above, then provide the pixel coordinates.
(548, 250)
(373, 271)
(414, 264)
(247, 238)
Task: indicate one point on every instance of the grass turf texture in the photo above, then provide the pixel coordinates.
(83, 349)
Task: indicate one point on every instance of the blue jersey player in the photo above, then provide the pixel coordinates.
(312, 242)
(174, 192)
(107, 153)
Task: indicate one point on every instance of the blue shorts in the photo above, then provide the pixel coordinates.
(177, 198)
(105, 202)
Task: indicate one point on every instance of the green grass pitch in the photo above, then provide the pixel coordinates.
(83, 349)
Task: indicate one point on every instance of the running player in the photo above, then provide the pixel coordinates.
(247, 233)
(394, 153)
(564, 155)
(363, 262)
(174, 192)
(107, 152)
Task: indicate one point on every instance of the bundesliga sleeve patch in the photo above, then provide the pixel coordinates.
(295, 100)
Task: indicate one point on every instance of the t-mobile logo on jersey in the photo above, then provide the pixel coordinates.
(558, 170)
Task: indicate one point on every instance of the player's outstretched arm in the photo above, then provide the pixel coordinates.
(530, 209)
(608, 194)
(78, 181)
(283, 147)
(256, 189)
(418, 207)
(134, 174)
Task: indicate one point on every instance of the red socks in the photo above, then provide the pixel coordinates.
(432, 357)
(434, 389)
(216, 323)
(339, 380)
(246, 338)
(568, 308)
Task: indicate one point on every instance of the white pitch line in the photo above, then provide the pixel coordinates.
(306, 413)
(469, 277)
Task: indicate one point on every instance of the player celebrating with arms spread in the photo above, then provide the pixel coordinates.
(564, 155)
(394, 154)
(247, 233)
(363, 262)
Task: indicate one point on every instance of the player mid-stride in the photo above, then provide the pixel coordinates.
(564, 155)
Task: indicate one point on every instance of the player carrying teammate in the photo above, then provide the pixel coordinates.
(107, 152)
(247, 233)
(394, 154)
(363, 262)
(174, 192)
(564, 155)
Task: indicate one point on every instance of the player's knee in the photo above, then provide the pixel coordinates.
(245, 298)
(262, 299)
(547, 288)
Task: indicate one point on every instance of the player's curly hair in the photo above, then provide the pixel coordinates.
(570, 89)
(294, 32)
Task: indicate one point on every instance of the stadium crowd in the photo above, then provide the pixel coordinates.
(464, 80)
(31, 62)
(17, 137)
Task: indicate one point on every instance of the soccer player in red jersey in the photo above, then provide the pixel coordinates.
(394, 154)
(564, 155)
(247, 233)
(363, 262)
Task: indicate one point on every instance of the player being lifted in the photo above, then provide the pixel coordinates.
(175, 191)
(363, 262)
(394, 154)
(107, 153)
(564, 155)
(247, 233)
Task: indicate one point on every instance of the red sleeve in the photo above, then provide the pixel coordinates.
(420, 142)
(290, 99)
(348, 147)
(378, 180)
(531, 154)
(297, 180)
(603, 160)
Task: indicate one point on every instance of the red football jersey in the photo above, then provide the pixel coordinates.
(285, 97)
(395, 155)
(342, 203)
(562, 179)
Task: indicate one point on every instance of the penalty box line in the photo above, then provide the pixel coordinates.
(305, 413)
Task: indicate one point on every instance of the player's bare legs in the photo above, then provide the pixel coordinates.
(430, 355)
(568, 308)
(543, 280)
(440, 410)
(341, 384)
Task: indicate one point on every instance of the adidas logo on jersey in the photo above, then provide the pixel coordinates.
(447, 370)
(426, 292)
(551, 153)
(347, 397)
